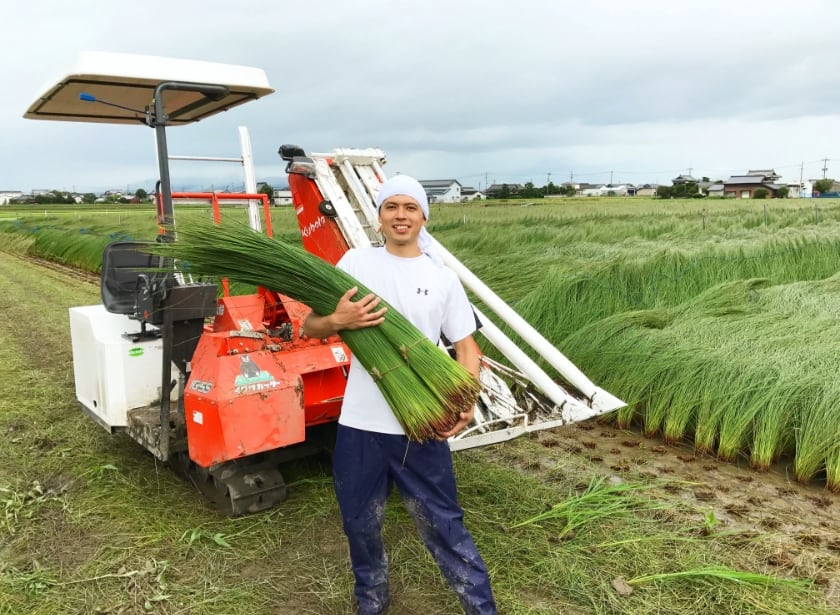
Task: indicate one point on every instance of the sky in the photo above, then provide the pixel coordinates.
(482, 91)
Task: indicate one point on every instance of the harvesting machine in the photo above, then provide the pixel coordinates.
(223, 387)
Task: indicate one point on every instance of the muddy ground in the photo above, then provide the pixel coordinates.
(800, 520)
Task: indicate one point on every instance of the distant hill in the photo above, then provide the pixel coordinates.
(199, 184)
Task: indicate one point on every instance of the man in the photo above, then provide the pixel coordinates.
(372, 452)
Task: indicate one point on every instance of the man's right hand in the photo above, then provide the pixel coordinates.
(348, 315)
(359, 314)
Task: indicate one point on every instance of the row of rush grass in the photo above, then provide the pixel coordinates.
(743, 367)
(570, 232)
(77, 237)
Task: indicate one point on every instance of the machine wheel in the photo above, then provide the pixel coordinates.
(235, 487)
(327, 208)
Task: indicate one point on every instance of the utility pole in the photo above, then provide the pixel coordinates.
(801, 185)
(611, 174)
(690, 169)
(825, 166)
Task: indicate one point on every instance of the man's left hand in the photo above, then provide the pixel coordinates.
(464, 420)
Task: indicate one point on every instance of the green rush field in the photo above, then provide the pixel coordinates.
(715, 491)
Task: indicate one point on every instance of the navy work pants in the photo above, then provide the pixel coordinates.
(365, 466)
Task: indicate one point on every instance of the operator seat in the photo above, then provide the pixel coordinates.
(132, 280)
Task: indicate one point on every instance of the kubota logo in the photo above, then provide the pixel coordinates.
(313, 226)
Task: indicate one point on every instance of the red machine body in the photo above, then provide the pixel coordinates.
(256, 385)
(319, 233)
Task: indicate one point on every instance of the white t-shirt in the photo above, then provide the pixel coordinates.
(428, 295)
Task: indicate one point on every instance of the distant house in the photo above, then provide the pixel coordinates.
(607, 190)
(282, 197)
(715, 189)
(494, 191)
(800, 190)
(684, 179)
(687, 179)
(586, 189)
(647, 190)
(568, 185)
(9, 195)
(468, 193)
(768, 174)
(619, 190)
(745, 186)
(442, 190)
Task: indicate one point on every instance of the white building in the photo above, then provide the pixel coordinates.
(442, 190)
(282, 197)
(468, 193)
(800, 190)
(8, 195)
(606, 190)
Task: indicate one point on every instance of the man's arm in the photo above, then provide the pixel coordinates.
(348, 314)
(466, 353)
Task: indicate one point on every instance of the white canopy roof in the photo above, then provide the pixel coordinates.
(129, 80)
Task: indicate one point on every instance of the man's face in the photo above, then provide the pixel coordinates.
(402, 219)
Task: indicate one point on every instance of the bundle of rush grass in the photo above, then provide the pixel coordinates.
(424, 387)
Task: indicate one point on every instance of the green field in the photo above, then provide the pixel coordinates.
(715, 321)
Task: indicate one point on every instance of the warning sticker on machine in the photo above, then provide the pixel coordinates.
(198, 417)
(201, 387)
(137, 351)
(256, 387)
(339, 354)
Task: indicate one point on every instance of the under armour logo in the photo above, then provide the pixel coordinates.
(422, 291)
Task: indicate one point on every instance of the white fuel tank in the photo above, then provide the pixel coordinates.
(113, 374)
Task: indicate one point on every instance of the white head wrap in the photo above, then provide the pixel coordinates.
(408, 186)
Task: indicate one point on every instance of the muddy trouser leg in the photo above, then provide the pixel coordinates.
(424, 476)
(360, 476)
